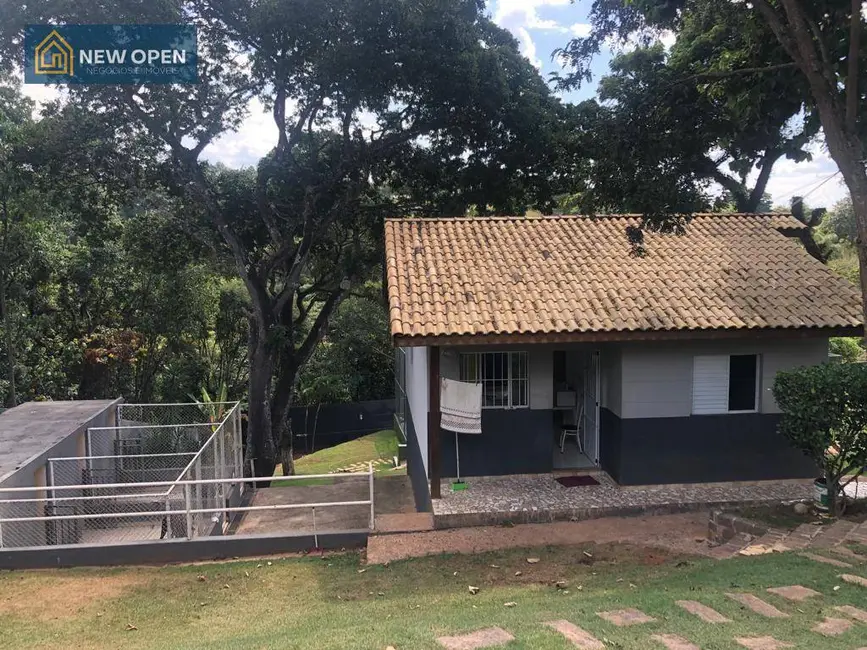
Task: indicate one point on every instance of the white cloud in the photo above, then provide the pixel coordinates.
(810, 179)
(244, 147)
(521, 16)
(514, 13)
(581, 30)
(528, 46)
(41, 94)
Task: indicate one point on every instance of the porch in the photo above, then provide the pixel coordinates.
(535, 498)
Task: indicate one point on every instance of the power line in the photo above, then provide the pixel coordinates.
(804, 196)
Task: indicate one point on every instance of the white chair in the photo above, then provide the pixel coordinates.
(573, 427)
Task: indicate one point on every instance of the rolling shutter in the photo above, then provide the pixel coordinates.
(710, 384)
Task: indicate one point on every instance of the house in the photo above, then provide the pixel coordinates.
(672, 354)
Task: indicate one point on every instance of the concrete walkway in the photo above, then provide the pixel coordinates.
(540, 498)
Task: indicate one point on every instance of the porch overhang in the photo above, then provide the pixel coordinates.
(402, 340)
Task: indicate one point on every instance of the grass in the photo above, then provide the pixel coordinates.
(785, 517)
(382, 444)
(336, 602)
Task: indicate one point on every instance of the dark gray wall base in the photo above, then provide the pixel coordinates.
(338, 423)
(415, 469)
(175, 550)
(699, 448)
(543, 516)
(519, 441)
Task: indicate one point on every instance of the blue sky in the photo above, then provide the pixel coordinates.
(540, 26)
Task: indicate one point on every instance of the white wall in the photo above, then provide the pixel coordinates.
(610, 359)
(657, 376)
(417, 395)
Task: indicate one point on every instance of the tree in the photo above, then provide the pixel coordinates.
(820, 40)
(362, 93)
(660, 138)
(673, 134)
(825, 416)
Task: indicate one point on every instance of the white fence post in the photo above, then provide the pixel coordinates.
(189, 514)
(372, 510)
(197, 474)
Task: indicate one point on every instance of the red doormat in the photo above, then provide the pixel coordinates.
(577, 481)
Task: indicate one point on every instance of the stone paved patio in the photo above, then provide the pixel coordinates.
(539, 498)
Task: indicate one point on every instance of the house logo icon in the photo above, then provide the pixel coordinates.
(54, 56)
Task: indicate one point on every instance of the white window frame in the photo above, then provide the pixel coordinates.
(509, 379)
(727, 357)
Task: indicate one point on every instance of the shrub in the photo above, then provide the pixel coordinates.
(849, 349)
(825, 416)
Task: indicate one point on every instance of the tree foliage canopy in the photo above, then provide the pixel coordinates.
(825, 416)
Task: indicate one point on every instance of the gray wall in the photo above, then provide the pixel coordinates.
(657, 376)
(611, 361)
(417, 396)
(34, 533)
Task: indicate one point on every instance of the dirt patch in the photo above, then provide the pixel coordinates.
(854, 612)
(762, 643)
(682, 533)
(784, 516)
(487, 638)
(674, 642)
(705, 613)
(832, 626)
(758, 605)
(626, 617)
(62, 597)
(796, 593)
(579, 638)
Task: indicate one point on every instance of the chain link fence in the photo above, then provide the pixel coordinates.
(126, 486)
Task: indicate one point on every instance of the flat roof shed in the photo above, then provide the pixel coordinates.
(35, 431)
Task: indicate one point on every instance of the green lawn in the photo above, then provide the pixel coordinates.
(338, 603)
(382, 444)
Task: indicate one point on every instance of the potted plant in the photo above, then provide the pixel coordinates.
(825, 416)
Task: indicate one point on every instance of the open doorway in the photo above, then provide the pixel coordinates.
(576, 409)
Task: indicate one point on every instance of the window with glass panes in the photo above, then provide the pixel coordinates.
(505, 377)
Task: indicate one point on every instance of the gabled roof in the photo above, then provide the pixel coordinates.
(503, 279)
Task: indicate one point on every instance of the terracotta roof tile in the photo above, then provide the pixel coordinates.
(555, 275)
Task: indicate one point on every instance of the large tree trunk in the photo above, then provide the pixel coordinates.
(260, 441)
(9, 339)
(848, 153)
(280, 405)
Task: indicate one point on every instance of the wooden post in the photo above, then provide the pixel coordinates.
(433, 422)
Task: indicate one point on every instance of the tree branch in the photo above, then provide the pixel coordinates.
(726, 74)
(852, 68)
(767, 165)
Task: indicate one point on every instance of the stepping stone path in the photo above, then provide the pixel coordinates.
(854, 580)
(704, 612)
(758, 605)
(762, 643)
(796, 593)
(361, 466)
(674, 642)
(487, 638)
(854, 612)
(578, 637)
(826, 560)
(832, 626)
(626, 617)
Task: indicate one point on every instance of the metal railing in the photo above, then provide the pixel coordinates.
(181, 522)
(162, 479)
